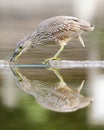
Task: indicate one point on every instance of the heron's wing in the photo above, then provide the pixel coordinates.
(60, 28)
(62, 25)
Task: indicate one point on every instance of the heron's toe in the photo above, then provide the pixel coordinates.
(46, 61)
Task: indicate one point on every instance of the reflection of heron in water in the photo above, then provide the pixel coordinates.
(57, 97)
(59, 30)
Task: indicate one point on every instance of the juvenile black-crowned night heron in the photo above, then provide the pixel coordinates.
(59, 30)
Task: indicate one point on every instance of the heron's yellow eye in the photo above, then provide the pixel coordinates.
(20, 48)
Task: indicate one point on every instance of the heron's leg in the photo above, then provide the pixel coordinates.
(59, 51)
(81, 40)
(81, 86)
(55, 57)
(59, 76)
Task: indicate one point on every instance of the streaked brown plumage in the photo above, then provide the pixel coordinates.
(59, 30)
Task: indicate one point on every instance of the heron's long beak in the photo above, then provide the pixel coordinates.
(15, 55)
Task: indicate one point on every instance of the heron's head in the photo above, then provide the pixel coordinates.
(86, 26)
(20, 48)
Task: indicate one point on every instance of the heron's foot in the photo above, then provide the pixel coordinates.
(49, 59)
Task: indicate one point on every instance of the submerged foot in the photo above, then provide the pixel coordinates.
(49, 59)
